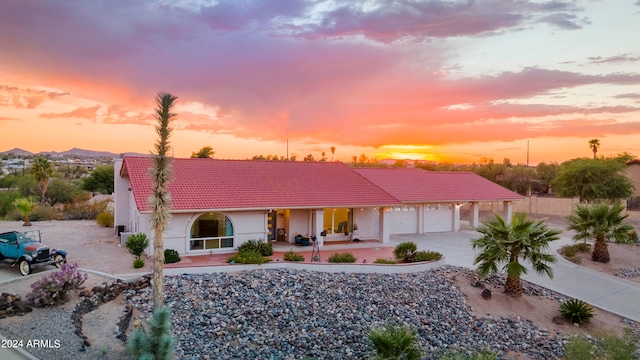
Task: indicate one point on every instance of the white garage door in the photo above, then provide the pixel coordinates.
(438, 218)
(403, 221)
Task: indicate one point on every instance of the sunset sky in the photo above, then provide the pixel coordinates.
(434, 80)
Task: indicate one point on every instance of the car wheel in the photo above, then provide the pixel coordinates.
(24, 267)
(60, 260)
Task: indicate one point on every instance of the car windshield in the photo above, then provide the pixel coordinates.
(30, 236)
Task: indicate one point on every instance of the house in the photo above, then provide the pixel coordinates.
(219, 204)
(632, 172)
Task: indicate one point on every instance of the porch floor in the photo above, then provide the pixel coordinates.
(364, 251)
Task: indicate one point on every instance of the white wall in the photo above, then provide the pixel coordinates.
(121, 196)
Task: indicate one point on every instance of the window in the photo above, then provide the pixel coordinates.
(338, 220)
(211, 231)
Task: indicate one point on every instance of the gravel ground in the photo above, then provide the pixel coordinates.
(289, 314)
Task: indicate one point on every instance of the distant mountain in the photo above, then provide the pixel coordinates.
(17, 151)
(75, 152)
(81, 153)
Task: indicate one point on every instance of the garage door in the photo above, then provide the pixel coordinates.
(438, 218)
(403, 221)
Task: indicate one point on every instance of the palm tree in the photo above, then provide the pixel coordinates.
(333, 151)
(42, 170)
(594, 144)
(160, 201)
(602, 222)
(25, 207)
(508, 243)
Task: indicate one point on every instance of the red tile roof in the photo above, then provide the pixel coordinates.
(210, 184)
(415, 185)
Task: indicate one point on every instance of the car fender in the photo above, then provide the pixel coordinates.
(26, 257)
(59, 251)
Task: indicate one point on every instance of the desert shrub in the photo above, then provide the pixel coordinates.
(45, 213)
(384, 261)
(633, 236)
(261, 246)
(158, 343)
(136, 244)
(582, 247)
(568, 251)
(171, 256)
(138, 263)
(474, 355)
(578, 348)
(292, 256)
(394, 342)
(404, 251)
(345, 257)
(426, 256)
(105, 219)
(576, 311)
(54, 288)
(248, 257)
(82, 209)
(607, 345)
(576, 259)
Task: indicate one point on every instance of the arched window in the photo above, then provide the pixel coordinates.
(211, 231)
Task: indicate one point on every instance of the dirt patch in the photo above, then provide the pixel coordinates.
(538, 309)
(623, 257)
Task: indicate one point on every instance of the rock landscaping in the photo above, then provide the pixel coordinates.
(12, 305)
(292, 314)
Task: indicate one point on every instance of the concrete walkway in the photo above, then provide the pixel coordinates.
(614, 294)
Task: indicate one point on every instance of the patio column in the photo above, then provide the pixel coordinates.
(474, 213)
(508, 210)
(455, 212)
(319, 226)
(420, 213)
(384, 226)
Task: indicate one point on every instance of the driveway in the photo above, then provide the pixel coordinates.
(614, 294)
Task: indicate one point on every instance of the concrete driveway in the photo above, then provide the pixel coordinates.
(614, 294)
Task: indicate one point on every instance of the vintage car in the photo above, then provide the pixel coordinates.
(26, 250)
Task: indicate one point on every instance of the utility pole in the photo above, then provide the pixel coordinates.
(527, 152)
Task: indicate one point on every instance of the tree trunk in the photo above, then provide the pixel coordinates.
(513, 286)
(158, 270)
(600, 251)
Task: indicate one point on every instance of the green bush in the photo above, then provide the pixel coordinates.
(261, 246)
(136, 244)
(605, 346)
(292, 256)
(6, 202)
(138, 263)
(576, 311)
(105, 219)
(171, 256)
(404, 251)
(384, 261)
(394, 342)
(426, 256)
(569, 251)
(345, 257)
(582, 247)
(158, 343)
(248, 257)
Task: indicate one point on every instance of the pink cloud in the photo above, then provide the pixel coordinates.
(81, 112)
